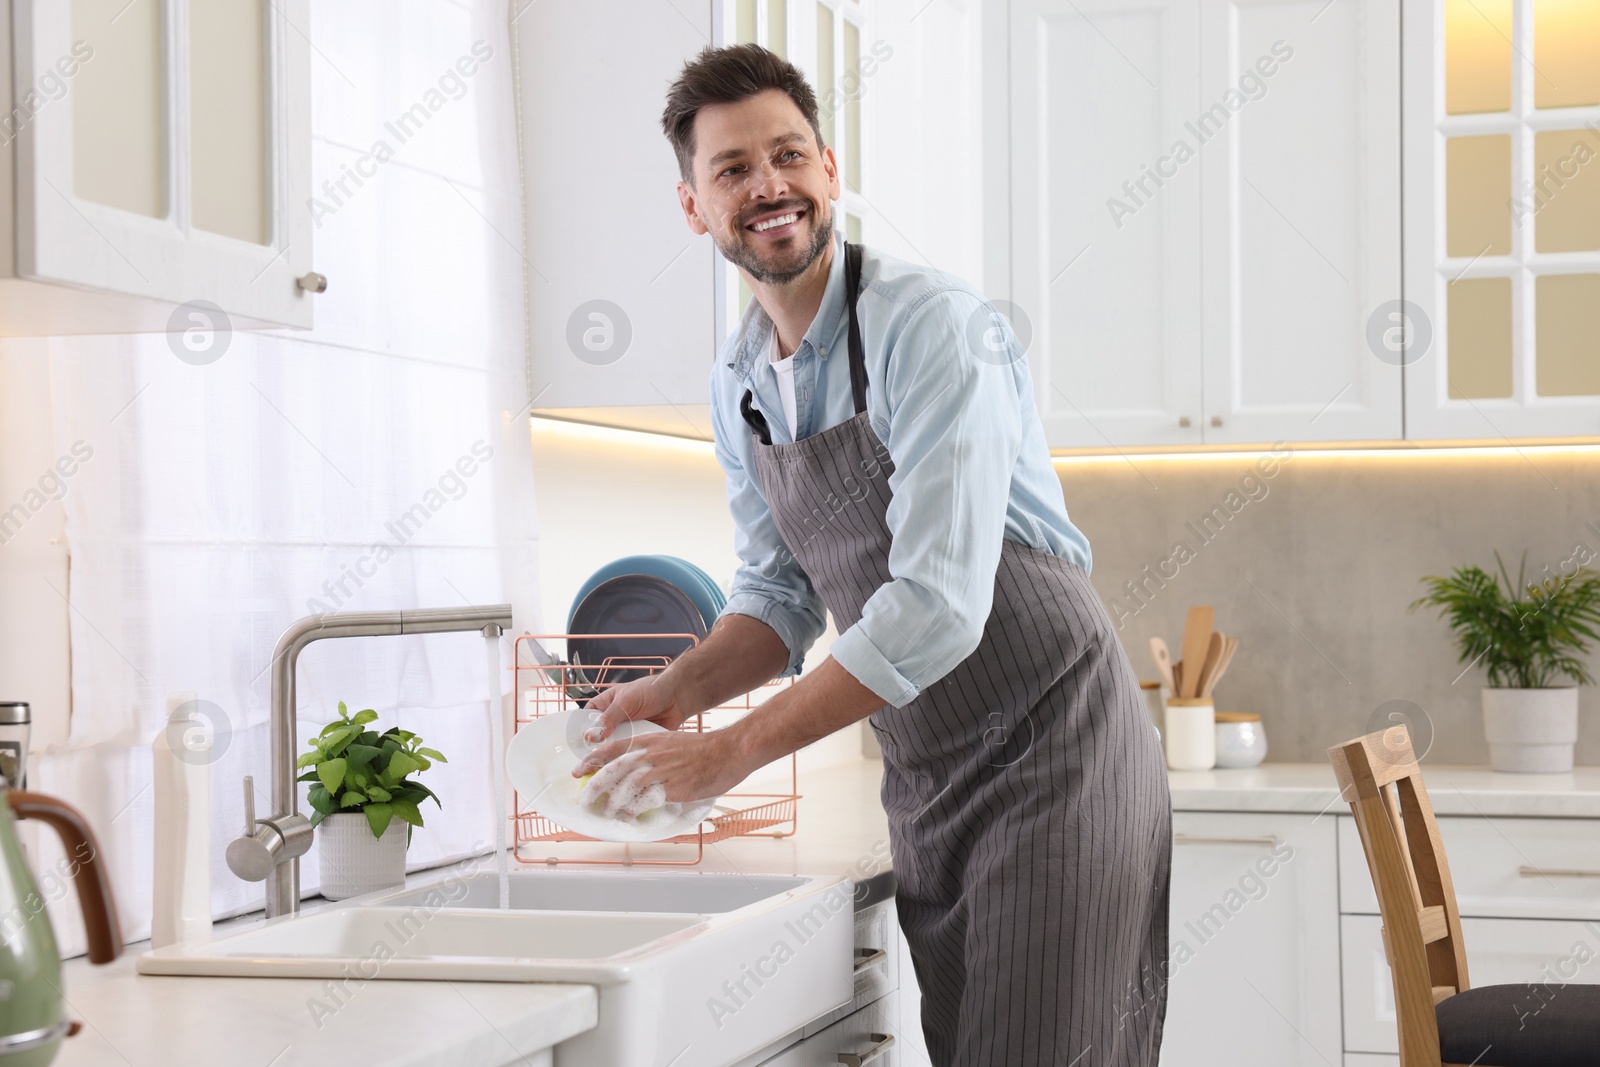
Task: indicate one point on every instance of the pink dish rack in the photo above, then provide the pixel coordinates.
(545, 690)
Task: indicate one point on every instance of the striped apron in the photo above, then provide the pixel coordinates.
(1026, 793)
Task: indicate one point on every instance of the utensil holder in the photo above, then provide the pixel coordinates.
(1191, 734)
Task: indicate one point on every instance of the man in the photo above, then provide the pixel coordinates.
(884, 459)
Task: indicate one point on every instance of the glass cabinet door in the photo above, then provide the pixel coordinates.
(1503, 218)
(169, 156)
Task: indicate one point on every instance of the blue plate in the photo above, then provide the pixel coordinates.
(609, 624)
(693, 582)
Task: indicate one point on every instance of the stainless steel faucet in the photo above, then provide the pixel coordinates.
(271, 848)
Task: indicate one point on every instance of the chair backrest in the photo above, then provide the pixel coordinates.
(1379, 777)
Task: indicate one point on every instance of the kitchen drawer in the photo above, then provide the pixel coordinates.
(1367, 1059)
(877, 941)
(868, 1033)
(1493, 862)
(1499, 952)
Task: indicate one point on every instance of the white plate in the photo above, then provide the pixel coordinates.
(542, 754)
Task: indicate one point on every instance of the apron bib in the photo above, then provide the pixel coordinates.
(1026, 792)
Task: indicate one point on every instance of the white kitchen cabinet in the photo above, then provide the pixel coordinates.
(1502, 868)
(620, 292)
(1204, 215)
(1502, 221)
(1105, 280)
(154, 155)
(865, 1037)
(1301, 218)
(1254, 935)
(1499, 952)
(627, 306)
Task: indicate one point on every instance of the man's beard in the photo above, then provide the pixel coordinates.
(742, 254)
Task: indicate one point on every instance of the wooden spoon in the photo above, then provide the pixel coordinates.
(1163, 657)
(1227, 658)
(1196, 639)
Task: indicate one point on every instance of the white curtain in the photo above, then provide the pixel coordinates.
(378, 461)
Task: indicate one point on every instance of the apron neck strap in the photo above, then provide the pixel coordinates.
(858, 358)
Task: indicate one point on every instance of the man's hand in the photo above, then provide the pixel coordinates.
(640, 773)
(653, 698)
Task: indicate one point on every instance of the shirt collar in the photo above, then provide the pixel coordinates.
(755, 330)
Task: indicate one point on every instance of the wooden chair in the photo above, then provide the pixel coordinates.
(1443, 1021)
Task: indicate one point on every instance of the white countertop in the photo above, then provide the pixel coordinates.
(142, 1020)
(1310, 787)
(135, 1020)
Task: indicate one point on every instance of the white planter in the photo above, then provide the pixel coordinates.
(1531, 730)
(353, 861)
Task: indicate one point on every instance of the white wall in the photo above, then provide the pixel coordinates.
(34, 656)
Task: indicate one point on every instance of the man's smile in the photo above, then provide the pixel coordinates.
(777, 223)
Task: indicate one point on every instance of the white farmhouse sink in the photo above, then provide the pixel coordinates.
(688, 892)
(743, 962)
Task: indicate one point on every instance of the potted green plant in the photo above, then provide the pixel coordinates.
(361, 794)
(1529, 637)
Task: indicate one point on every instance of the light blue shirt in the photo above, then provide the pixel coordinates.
(949, 395)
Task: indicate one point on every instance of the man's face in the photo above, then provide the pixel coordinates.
(755, 162)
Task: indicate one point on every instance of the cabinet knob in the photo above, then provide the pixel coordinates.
(1185, 422)
(1216, 420)
(313, 282)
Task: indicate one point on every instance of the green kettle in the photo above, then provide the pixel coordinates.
(32, 1016)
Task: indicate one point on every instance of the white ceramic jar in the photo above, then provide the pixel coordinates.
(1191, 734)
(1241, 741)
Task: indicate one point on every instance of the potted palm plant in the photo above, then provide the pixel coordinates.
(361, 794)
(1529, 637)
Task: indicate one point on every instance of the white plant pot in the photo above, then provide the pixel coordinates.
(353, 862)
(1531, 730)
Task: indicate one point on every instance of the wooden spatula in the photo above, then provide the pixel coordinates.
(1196, 640)
(1208, 672)
(1163, 657)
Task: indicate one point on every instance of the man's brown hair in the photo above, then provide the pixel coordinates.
(727, 76)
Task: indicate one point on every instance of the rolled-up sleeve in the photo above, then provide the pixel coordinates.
(955, 432)
(769, 584)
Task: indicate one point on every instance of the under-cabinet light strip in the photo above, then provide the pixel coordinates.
(1432, 450)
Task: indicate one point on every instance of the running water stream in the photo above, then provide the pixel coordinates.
(497, 763)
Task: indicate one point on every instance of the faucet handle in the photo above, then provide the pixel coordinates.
(268, 842)
(249, 805)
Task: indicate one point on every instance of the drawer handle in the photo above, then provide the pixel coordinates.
(881, 1044)
(1197, 839)
(1556, 872)
(867, 958)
